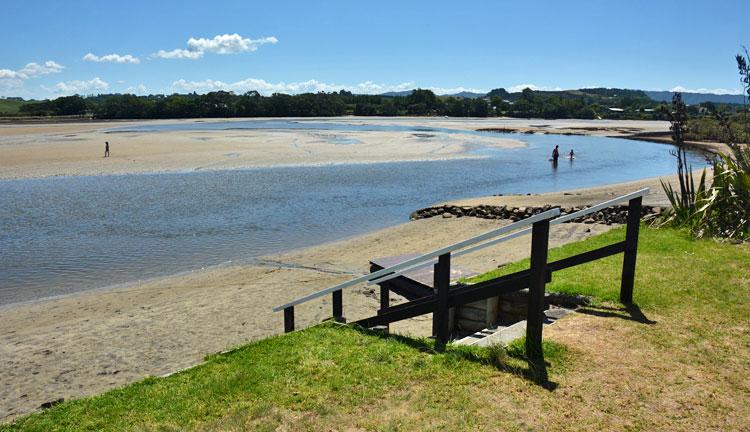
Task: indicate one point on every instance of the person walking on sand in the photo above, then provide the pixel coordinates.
(106, 148)
(555, 153)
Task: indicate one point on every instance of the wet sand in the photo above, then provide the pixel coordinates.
(86, 343)
(71, 149)
(28, 151)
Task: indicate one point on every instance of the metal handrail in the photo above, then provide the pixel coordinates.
(425, 258)
(564, 218)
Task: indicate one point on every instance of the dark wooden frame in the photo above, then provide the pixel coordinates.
(535, 279)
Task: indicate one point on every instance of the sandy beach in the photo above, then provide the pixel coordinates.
(83, 344)
(72, 149)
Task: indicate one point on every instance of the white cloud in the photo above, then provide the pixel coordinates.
(10, 74)
(14, 80)
(111, 58)
(220, 44)
(79, 87)
(140, 89)
(718, 91)
(179, 54)
(313, 86)
(519, 87)
(228, 44)
(454, 90)
(35, 69)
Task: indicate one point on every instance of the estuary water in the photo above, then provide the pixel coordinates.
(68, 234)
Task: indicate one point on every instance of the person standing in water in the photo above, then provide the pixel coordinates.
(106, 148)
(571, 155)
(555, 154)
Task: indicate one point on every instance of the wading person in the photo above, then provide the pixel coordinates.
(106, 148)
(555, 154)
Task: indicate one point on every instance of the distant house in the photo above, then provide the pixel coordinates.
(616, 109)
(648, 110)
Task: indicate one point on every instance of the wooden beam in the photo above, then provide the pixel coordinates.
(456, 297)
(288, 319)
(585, 257)
(441, 315)
(385, 302)
(338, 306)
(631, 250)
(535, 315)
(410, 310)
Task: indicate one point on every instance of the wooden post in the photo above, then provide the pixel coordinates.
(631, 250)
(441, 315)
(537, 280)
(338, 306)
(288, 319)
(490, 314)
(385, 301)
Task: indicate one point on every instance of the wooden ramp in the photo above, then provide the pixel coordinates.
(415, 283)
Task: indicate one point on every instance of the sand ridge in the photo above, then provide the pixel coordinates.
(62, 150)
(73, 149)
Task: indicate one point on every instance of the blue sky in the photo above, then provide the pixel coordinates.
(368, 47)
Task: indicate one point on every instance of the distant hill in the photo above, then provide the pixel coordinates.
(468, 95)
(464, 94)
(695, 98)
(601, 93)
(398, 93)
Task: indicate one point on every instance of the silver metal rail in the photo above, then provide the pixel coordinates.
(564, 218)
(423, 259)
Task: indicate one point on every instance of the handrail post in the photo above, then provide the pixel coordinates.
(631, 250)
(385, 302)
(289, 319)
(338, 306)
(537, 280)
(440, 316)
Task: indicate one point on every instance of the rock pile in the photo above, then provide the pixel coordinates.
(608, 216)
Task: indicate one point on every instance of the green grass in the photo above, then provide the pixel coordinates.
(708, 271)
(321, 370)
(8, 106)
(683, 368)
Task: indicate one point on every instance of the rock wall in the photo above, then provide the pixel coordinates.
(610, 215)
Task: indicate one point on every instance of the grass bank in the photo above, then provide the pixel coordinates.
(10, 106)
(677, 361)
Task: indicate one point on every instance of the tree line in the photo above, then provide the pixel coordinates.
(583, 104)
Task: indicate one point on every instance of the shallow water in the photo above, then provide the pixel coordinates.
(63, 235)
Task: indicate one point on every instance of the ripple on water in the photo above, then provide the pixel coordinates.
(63, 235)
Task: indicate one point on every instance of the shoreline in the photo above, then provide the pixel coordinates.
(92, 341)
(572, 197)
(242, 168)
(42, 151)
(72, 149)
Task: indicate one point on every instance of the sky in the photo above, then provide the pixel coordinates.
(56, 48)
